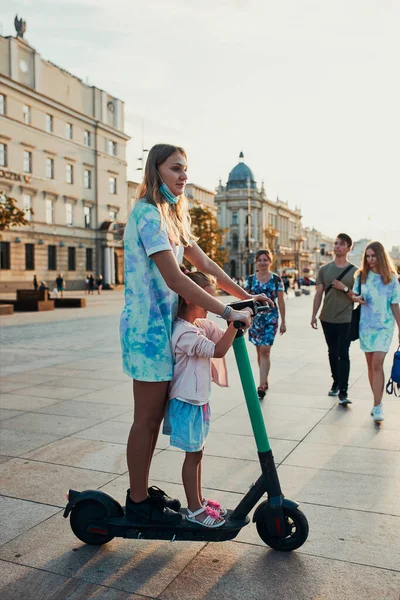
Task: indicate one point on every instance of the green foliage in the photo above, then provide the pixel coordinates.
(211, 237)
(10, 214)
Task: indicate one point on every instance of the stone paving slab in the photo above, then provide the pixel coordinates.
(15, 443)
(241, 571)
(24, 403)
(54, 391)
(85, 454)
(92, 410)
(17, 516)
(379, 437)
(17, 582)
(343, 490)
(46, 483)
(41, 423)
(5, 413)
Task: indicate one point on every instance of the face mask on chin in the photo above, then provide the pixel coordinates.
(167, 194)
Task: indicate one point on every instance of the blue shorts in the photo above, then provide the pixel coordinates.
(187, 424)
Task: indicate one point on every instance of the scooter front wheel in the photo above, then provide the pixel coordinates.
(81, 514)
(296, 530)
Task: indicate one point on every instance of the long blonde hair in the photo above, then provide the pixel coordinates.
(176, 216)
(384, 263)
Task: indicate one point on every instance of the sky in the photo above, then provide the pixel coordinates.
(309, 90)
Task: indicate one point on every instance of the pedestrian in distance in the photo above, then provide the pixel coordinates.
(157, 236)
(91, 284)
(99, 282)
(336, 314)
(265, 325)
(60, 283)
(87, 284)
(35, 283)
(199, 347)
(286, 282)
(377, 289)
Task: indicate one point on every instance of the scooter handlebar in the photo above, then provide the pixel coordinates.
(254, 305)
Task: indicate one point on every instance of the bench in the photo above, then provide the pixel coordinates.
(69, 302)
(33, 300)
(6, 309)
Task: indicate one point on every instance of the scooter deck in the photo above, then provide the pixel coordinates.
(185, 531)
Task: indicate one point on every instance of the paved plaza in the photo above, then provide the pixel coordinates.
(66, 409)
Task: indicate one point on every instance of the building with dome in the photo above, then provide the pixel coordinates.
(253, 221)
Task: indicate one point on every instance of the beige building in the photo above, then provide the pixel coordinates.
(200, 196)
(254, 221)
(62, 157)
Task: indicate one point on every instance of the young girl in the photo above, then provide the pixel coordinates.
(156, 237)
(378, 291)
(263, 330)
(198, 346)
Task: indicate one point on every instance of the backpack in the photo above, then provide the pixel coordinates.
(393, 385)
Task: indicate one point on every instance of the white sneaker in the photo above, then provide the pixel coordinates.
(377, 413)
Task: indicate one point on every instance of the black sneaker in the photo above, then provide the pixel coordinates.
(334, 390)
(151, 511)
(343, 399)
(172, 503)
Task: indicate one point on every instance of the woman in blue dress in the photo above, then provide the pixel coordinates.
(265, 325)
(378, 286)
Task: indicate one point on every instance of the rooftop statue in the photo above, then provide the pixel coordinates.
(20, 26)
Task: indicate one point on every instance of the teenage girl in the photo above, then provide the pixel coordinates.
(377, 290)
(157, 236)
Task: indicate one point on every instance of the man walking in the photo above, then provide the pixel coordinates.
(336, 314)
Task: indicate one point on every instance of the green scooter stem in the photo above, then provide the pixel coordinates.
(250, 392)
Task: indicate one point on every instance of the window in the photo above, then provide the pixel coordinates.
(49, 123)
(87, 138)
(28, 207)
(69, 214)
(3, 155)
(68, 131)
(234, 218)
(87, 179)
(69, 173)
(112, 185)
(71, 259)
(88, 217)
(52, 258)
(50, 168)
(27, 114)
(112, 147)
(5, 255)
(2, 104)
(30, 257)
(89, 259)
(27, 161)
(49, 211)
(113, 214)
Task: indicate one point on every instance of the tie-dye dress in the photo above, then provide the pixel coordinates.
(150, 305)
(377, 320)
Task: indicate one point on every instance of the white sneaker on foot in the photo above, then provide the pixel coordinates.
(378, 413)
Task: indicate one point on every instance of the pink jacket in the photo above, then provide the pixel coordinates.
(194, 346)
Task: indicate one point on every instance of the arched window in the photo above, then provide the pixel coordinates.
(235, 241)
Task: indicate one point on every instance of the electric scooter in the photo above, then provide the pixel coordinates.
(96, 518)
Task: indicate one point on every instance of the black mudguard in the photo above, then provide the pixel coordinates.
(111, 505)
(264, 506)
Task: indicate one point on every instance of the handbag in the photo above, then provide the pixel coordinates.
(354, 332)
(393, 385)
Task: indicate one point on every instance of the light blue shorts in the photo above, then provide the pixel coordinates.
(187, 424)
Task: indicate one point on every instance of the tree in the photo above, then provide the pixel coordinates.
(10, 214)
(211, 237)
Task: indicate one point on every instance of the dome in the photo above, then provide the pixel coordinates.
(241, 176)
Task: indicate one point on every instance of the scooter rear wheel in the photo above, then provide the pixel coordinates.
(81, 514)
(296, 530)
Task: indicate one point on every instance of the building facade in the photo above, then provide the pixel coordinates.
(200, 196)
(62, 157)
(253, 221)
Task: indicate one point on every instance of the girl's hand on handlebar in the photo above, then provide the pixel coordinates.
(244, 316)
(262, 298)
